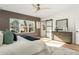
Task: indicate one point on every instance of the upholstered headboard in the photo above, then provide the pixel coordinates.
(33, 34)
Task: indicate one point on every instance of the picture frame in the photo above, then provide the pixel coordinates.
(62, 25)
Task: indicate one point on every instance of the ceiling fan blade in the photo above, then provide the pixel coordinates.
(36, 11)
(38, 7)
(38, 4)
(44, 8)
(41, 9)
(34, 5)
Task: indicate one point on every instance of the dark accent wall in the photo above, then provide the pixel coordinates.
(6, 15)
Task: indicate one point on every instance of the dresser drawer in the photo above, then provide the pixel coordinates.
(63, 36)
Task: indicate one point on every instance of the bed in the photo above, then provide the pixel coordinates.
(25, 47)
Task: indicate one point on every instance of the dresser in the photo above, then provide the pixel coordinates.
(62, 36)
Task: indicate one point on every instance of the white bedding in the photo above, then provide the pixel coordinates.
(22, 47)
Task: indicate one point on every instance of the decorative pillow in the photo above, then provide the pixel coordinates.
(29, 37)
(8, 37)
(1, 37)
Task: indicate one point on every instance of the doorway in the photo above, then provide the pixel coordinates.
(77, 31)
(49, 28)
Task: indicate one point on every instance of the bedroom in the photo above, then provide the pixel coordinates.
(38, 23)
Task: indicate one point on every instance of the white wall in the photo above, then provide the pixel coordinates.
(66, 14)
(72, 14)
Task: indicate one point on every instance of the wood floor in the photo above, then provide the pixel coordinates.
(72, 46)
(62, 44)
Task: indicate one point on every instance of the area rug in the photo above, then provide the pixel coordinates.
(57, 48)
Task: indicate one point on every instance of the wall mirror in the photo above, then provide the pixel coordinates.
(62, 25)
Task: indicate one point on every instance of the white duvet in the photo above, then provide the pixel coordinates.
(22, 47)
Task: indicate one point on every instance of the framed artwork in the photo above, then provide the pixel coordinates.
(31, 26)
(62, 25)
(14, 25)
(38, 24)
(21, 26)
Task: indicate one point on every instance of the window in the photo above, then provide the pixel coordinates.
(21, 26)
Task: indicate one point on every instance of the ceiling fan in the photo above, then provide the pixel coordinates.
(38, 7)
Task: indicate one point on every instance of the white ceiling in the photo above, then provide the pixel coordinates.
(28, 9)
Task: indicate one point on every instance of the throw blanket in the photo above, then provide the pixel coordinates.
(23, 47)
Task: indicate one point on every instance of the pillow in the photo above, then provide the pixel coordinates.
(8, 37)
(1, 37)
(29, 37)
(15, 37)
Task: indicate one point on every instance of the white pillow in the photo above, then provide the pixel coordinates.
(1, 38)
